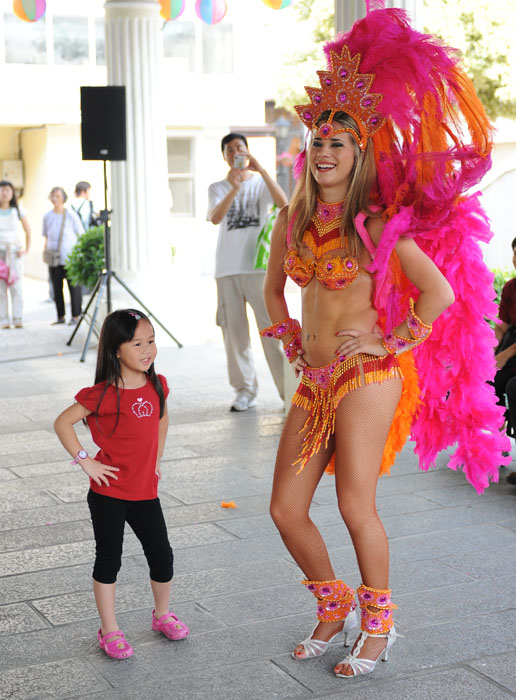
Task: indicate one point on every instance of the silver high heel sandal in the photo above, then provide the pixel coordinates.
(361, 667)
(316, 647)
(335, 602)
(380, 623)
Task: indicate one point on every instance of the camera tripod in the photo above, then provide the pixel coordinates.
(103, 285)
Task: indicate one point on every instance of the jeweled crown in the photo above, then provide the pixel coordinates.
(343, 89)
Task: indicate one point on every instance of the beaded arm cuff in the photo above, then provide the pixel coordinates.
(293, 345)
(289, 326)
(395, 344)
(278, 330)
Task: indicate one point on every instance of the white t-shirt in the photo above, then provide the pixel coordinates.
(239, 229)
(10, 227)
(71, 232)
(83, 208)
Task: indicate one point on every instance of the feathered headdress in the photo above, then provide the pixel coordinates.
(432, 142)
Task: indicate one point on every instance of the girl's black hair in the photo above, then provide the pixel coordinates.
(14, 201)
(119, 327)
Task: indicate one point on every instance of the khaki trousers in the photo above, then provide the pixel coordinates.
(234, 292)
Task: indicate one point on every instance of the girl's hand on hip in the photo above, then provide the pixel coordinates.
(158, 470)
(99, 472)
(358, 341)
(299, 363)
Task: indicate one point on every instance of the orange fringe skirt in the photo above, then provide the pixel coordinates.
(322, 388)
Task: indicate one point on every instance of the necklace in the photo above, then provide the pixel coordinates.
(328, 212)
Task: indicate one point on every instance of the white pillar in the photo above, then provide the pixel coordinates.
(348, 11)
(139, 189)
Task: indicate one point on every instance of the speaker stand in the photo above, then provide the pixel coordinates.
(103, 284)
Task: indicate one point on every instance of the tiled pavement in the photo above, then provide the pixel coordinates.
(453, 554)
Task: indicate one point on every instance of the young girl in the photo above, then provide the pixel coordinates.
(126, 412)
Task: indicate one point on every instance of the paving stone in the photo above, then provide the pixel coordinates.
(173, 452)
(482, 511)
(54, 454)
(65, 609)
(49, 681)
(511, 524)
(23, 500)
(59, 581)
(29, 437)
(448, 603)
(489, 563)
(44, 468)
(453, 684)
(7, 475)
(46, 557)
(229, 554)
(28, 538)
(19, 618)
(419, 482)
(498, 668)
(225, 486)
(27, 444)
(259, 680)
(424, 575)
(464, 494)
(50, 515)
(197, 513)
(40, 483)
(457, 540)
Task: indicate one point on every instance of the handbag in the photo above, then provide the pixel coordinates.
(52, 257)
(263, 243)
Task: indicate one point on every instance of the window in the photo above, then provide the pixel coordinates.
(71, 40)
(25, 42)
(179, 42)
(100, 42)
(180, 175)
(217, 48)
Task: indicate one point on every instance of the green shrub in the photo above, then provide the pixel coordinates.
(502, 275)
(85, 262)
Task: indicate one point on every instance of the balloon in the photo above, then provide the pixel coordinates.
(29, 10)
(277, 4)
(171, 9)
(211, 11)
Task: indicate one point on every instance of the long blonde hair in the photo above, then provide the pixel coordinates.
(362, 184)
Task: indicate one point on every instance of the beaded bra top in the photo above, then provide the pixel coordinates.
(322, 237)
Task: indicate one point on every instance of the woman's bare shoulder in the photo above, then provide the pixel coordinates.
(374, 226)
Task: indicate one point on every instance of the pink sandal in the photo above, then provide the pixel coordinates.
(170, 625)
(117, 648)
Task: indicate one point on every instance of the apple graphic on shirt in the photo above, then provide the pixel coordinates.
(141, 408)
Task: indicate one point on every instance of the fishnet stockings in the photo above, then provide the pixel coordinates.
(363, 419)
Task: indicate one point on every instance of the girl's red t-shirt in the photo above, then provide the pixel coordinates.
(133, 446)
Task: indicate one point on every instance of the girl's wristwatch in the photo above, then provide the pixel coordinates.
(82, 454)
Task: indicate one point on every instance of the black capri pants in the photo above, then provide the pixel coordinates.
(145, 518)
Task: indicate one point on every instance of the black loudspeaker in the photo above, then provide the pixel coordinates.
(103, 123)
